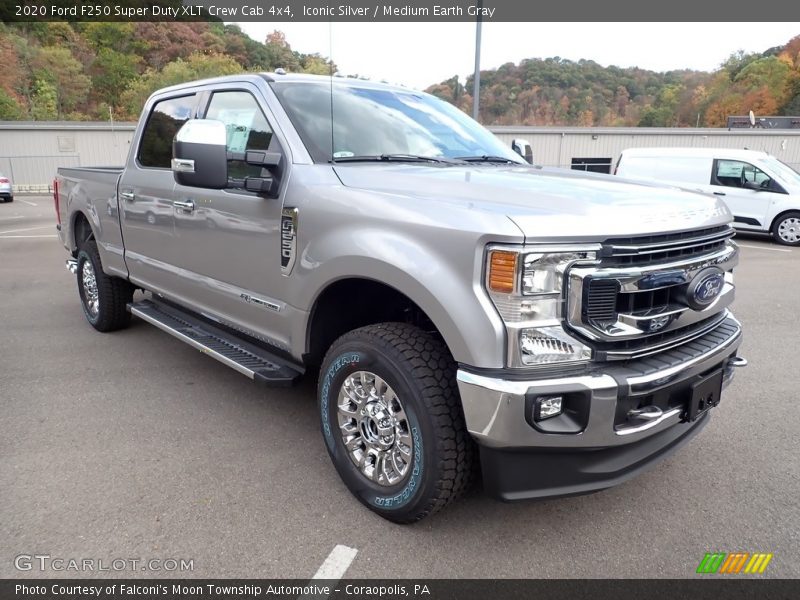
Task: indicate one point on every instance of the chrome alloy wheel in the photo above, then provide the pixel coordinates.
(374, 428)
(789, 230)
(91, 296)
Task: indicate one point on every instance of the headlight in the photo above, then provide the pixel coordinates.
(528, 290)
(544, 273)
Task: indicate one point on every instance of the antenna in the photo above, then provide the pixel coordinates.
(330, 71)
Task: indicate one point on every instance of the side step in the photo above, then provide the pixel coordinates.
(255, 362)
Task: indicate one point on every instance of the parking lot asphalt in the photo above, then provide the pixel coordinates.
(134, 445)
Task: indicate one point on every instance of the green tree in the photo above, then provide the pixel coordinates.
(197, 66)
(44, 102)
(112, 74)
(10, 110)
(57, 67)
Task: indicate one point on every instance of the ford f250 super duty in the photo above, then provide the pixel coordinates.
(463, 308)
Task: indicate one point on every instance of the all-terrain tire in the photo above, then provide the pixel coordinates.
(104, 298)
(419, 369)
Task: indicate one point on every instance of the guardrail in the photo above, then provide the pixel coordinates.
(28, 169)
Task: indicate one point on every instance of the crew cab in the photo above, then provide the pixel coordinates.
(461, 307)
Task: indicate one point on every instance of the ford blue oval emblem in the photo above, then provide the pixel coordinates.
(705, 288)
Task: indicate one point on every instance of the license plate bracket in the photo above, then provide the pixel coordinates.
(705, 394)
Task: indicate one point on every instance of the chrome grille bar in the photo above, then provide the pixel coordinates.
(634, 303)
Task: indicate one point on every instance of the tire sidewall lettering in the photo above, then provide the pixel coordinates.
(346, 359)
(345, 363)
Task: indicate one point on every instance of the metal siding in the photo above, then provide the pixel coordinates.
(31, 153)
(556, 146)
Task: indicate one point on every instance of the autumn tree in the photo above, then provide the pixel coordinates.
(57, 67)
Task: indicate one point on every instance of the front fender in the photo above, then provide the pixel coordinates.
(442, 279)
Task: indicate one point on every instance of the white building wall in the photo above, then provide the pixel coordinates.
(557, 146)
(30, 152)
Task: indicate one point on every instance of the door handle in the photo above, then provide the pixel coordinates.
(184, 204)
(129, 196)
(719, 193)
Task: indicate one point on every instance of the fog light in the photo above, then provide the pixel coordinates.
(546, 407)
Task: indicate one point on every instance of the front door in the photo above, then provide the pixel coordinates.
(747, 191)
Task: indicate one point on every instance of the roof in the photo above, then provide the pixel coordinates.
(733, 153)
(679, 131)
(290, 78)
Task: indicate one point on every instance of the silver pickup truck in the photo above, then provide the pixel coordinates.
(464, 310)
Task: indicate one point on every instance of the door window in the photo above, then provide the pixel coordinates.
(247, 129)
(166, 118)
(735, 173)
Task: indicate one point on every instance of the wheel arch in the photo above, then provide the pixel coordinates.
(780, 215)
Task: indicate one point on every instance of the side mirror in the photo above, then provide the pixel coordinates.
(523, 148)
(752, 185)
(271, 161)
(199, 154)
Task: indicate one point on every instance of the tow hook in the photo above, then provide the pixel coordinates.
(72, 265)
(736, 361)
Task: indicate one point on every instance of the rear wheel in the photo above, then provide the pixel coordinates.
(786, 229)
(104, 298)
(392, 420)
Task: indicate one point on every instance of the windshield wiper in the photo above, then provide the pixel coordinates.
(488, 159)
(393, 158)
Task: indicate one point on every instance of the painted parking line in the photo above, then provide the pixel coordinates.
(337, 563)
(12, 217)
(28, 202)
(26, 229)
(763, 248)
(12, 237)
(333, 569)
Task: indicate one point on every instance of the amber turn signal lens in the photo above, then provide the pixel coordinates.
(502, 271)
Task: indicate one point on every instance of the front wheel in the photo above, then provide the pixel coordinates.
(392, 420)
(786, 229)
(104, 298)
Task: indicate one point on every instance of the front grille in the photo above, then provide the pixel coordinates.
(653, 343)
(646, 250)
(629, 305)
(601, 301)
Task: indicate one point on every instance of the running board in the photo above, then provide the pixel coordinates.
(255, 362)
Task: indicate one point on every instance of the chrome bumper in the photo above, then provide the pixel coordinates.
(494, 408)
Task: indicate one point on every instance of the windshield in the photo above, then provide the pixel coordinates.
(784, 171)
(378, 122)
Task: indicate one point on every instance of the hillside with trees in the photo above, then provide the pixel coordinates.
(81, 71)
(555, 91)
(89, 71)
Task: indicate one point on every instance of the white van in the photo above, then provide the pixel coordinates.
(762, 192)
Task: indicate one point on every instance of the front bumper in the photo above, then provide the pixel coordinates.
(601, 446)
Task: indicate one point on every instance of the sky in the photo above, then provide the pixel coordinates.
(420, 54)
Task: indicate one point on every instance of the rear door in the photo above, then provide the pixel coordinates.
(146, 195)
(228, 246)
(746, 189)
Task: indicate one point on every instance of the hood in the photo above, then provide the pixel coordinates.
(546, 204)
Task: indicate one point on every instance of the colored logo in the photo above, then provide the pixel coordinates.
(734, 563)
(705, 288)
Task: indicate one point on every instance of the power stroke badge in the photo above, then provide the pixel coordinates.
(288, 239)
